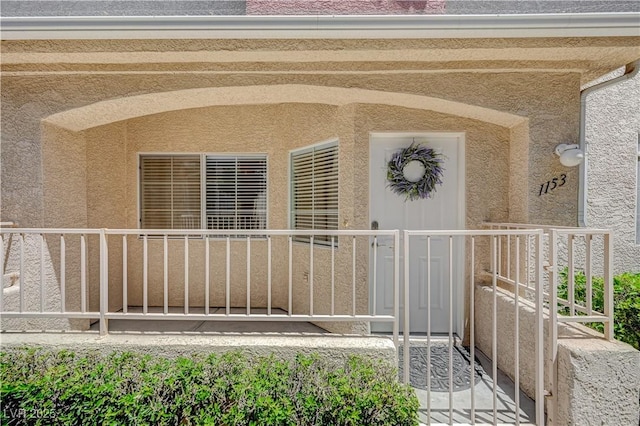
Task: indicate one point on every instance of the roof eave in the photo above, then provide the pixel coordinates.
(322, 26)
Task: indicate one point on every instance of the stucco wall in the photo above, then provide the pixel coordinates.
(518, 174)
(598, 382)
(612, 136)
(111, 192)
(54, 177)
(546, 99)
(272, 130)
(258, 129)
(486, 187)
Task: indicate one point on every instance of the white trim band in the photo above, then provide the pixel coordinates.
(322, 26)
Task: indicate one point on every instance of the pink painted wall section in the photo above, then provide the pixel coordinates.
(345, 7)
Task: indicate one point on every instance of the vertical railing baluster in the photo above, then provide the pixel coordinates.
(407, 326)
(42, 274)
(451, 329)
(539, 332)
(165, 272)
(375, 273)
(63, 274)
(516, 355)
(290, 302)
(125, 273)
(553, 324)
(588, 272)
(311, 275)
(608, 285)
(509, 256)
(499, 266)
(428, 373)
(21, 277)
(228, 278)
(571, 278)
(207, 275)
(104, 283)
(472, 328)
(353, 275)
(186, 274)
(145, 274)
(269, 275)
(494, 325)
(83, 274)
(333, 274)
(248, 275)
(527, 265)
(396, 288)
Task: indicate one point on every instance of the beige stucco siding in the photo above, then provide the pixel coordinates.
(519, 174)
(589, 56)
(613, 141)
(82, 172)
(548, 101)
(272, 130)
(486, 151)
(112, 196)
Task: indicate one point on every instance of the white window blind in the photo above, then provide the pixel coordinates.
(314, 188)
(203, 191)
(170, 192)
(236, 192)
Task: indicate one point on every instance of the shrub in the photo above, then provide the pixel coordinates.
(626, 302)
(43, 387)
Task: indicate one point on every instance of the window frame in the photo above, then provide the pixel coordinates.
(203, 187)
(335, 142)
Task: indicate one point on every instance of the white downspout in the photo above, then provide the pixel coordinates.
(630, 71)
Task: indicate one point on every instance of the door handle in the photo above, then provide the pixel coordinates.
(381, 245)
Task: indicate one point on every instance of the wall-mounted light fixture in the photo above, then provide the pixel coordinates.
(570, 155)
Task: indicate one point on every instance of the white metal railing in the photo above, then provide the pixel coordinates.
(578, 251)
(480, 250)
(567, 253)
(28, 262)
(49, 248)
(140, 274)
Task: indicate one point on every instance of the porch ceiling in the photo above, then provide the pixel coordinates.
(590, 57)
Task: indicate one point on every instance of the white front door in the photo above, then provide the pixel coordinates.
(445, 210)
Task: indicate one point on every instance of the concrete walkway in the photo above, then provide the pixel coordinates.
(434, 406)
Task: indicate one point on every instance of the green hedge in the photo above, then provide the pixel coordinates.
(42, 387)
(626, 302)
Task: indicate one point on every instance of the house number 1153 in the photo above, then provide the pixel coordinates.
(552, 184)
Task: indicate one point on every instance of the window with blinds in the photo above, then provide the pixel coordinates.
(236, 192)
(170, 192)
(203, 191)
(314, 189)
